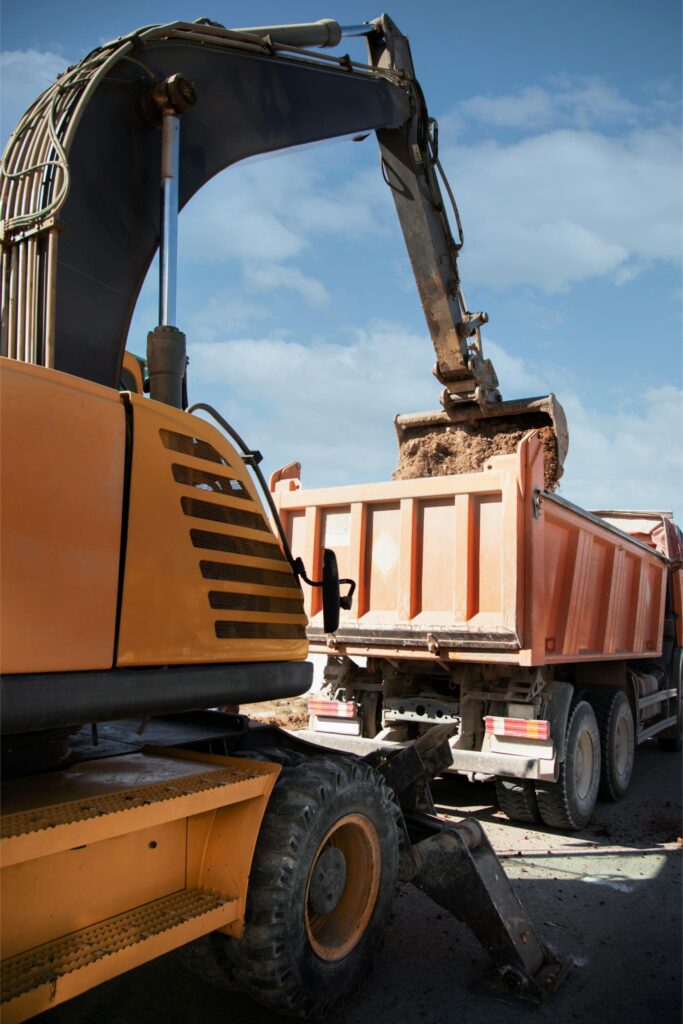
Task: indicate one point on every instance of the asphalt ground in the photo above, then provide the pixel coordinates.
(608, 899)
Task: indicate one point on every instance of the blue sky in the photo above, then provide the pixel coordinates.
(560, 131)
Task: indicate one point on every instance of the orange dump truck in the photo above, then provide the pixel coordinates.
(550, 637)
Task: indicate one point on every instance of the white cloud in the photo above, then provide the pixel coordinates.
(274, 208)
(558, 208)
(550, 209)
(334, 405)
(226, 313)
(269, 276)
(24, 75)
(566, 100)
(515, 376)
(627, 457)
(226, 222)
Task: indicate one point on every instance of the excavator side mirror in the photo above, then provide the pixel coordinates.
(331, 592)
(332, 599)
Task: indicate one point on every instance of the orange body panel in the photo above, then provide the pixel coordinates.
(479, 567)
(205, 578)
(118, 861)
(62, 455)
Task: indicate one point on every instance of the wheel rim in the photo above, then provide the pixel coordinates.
(584, 765)
(333, 935)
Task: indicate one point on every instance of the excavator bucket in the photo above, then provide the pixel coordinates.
(461, 439)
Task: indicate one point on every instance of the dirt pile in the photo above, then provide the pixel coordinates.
(465, 448)
(289, 713)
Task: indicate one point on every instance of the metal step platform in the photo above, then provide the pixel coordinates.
(113, 862)
(59, 970)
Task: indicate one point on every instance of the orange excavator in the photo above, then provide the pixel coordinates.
(144, 583)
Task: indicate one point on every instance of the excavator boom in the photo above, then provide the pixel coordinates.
(55, 239)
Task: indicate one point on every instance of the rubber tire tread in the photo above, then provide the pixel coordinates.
(207, 959)
(554, 798)
(602, 702)
(273, 961)
(517, 800)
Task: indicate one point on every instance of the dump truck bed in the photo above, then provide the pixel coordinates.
(480, 566)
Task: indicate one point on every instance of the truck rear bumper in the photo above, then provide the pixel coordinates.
(465, 762)
(515, 766)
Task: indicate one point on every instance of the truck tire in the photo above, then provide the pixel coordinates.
(371, 713)
(568, 804)
(321, 888)
(617, 742)
(517, 799)
(672, 740)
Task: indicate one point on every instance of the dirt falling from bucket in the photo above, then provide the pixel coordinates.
(465, 448)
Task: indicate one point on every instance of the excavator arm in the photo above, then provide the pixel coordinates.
(410, 164)
(80, 188)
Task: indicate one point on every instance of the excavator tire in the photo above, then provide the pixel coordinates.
(321, 888)
(207, 959)
(517, 800)
(568, 804)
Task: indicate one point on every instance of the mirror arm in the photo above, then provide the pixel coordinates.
(252, 458)
(344, 602)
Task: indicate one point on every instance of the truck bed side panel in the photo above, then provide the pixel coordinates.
(478, 567)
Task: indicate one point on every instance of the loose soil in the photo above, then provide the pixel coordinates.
(290, 713)
(465, 448)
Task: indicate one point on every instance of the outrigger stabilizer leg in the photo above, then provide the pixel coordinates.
(455, 865)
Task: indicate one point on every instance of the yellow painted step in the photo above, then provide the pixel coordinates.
(113, 796)
(40, 978)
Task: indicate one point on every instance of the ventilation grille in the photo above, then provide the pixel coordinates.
(188, 445)
(236, 545)
(248, 574)
(260, 631)
(249, 516)
(209, 482)
(256, 603)
(224, 514)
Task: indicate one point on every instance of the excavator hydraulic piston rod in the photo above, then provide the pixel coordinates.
(323, 33)
(166, 346)
(168, 252)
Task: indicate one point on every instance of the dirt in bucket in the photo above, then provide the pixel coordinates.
(465, 448)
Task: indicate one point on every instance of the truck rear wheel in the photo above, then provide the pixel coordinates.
(321, 889)
(569, 803)
(517, 799)
(617, 742)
